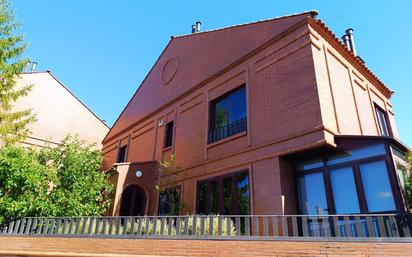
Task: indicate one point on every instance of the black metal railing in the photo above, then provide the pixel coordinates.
(227, 130)
(390, 227)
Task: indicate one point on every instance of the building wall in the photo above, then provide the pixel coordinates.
(298, 98)
(58, 112)
(347, 96)
(57, 246)
(282, 119)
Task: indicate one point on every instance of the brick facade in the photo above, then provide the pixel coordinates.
(302, 88)
(37, 246)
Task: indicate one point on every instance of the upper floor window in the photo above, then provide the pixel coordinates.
(169, 134)
(228, 115)
(382, 118)
(121, 157)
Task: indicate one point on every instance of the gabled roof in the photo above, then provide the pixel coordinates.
(70, 92)
(198, 57)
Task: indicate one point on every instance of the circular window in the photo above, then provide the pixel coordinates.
(170, 69)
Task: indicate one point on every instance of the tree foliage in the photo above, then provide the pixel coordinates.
(408, 181)
(61, 181)
(13, 124)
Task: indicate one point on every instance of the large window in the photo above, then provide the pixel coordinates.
(228, 115)
(169, 201)
(168, 134)
(383, 122)
(121, 156)
(354, 182)
(227, 195)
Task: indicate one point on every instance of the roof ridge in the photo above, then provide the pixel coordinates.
(313, 13)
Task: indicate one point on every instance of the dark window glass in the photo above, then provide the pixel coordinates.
(378, 192)
(217, 195)
(344, 191)
(243, 194)
(169, 201)
(214, 198)
(121, 157)
(312, 194)
(228, 115)
(169, 134)
(227, 196)
(382, 121)
(201, 197)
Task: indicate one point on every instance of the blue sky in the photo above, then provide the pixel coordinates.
(102, 50)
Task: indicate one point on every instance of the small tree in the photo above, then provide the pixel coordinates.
(167, 177)
(61, 181)
(13, 124)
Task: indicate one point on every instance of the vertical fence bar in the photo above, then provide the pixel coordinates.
(228, 226)
(371, 232)
(255, 226)
(22, 225)
(358, 226)
(348, 229)
(237, 225)
(202, 226)
(285, 226)
(28, 226)
(219, 225)
(247, 226)
(194, 225)
(275, 226)
(295, 232)
(336, 226)
(394, 226)
(186, 226)
(169, 232)
(211, 218)
(381, 225)
(305, 225)
(265, 226)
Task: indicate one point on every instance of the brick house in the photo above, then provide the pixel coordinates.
(270, 117)
(58, 112)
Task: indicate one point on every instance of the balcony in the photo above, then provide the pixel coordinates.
(227, 130)
(379, 227)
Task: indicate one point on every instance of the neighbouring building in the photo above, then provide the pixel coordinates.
(270, 117)
(58, 112)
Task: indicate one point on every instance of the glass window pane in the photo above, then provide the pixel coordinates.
(312, 194)
(383, 125)
(237, 105)
(377, 187)
(243, 193)
(201, 197)
(221, 113)
(357, 154)
(227, 195)
(344, 191)
(214, 198)
(169, 202)
(308, 165)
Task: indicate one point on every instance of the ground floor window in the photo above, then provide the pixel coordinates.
(169, 201)
(228, 195)
(354, 182)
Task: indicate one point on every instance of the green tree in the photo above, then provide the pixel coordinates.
(13, 124)
(408, 181)
(61, 181)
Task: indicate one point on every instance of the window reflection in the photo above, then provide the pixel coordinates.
(344, 191)
(357, 154)
(377, 188)
(312, 194)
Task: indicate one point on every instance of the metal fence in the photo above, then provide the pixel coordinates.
(227, 130)
(397, 227)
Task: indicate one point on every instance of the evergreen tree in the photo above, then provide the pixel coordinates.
(13, 124)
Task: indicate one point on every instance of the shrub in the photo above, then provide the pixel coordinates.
(61, 181)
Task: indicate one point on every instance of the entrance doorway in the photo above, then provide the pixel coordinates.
(133, 202)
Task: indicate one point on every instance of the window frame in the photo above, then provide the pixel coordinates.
(120, 153)
(167, 133)
(212, 113)
(179, 189)
(386, 117)
(220, 181)
(354, 164)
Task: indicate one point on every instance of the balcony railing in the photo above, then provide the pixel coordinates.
(227, 131)
(382, 227)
